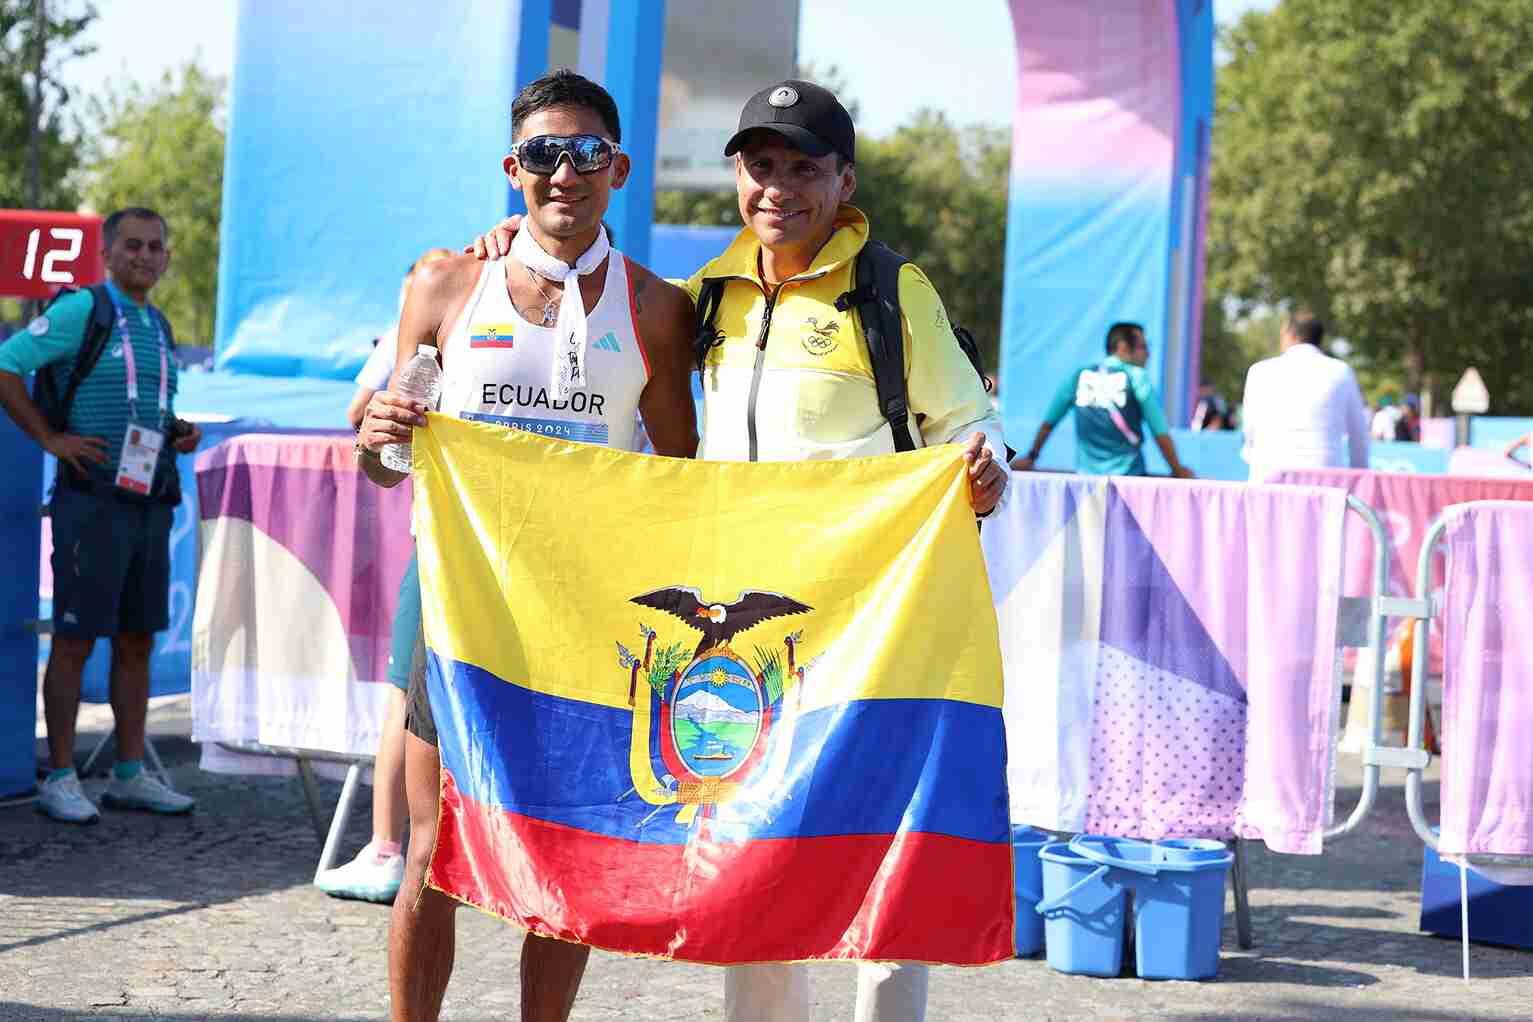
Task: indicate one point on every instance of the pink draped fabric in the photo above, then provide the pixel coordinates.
(1408, 504)
(1487, 772)
(307, 493)
(1260, 568)
(1169, 651)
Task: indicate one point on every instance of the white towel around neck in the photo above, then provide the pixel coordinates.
(569, 360)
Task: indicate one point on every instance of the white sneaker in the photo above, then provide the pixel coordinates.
(64, 800)
(145, 791)
(368, 877)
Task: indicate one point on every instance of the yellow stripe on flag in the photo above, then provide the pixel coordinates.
(532, 551)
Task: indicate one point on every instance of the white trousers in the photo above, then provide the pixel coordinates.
(886, 992)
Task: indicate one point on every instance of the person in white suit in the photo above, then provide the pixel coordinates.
(1303, 408)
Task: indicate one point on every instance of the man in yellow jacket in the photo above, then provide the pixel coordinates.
(786, 376)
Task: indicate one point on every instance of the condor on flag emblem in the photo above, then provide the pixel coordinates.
(709, 716)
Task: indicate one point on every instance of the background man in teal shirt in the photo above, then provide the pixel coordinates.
(110, 510)
(1114, 403)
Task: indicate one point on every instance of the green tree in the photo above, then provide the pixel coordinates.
(937, 194)
(58, 154)
(1232, 344)
(708, 208)
(1370, 162)
(163, 147)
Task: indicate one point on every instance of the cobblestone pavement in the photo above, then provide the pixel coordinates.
(213, 917)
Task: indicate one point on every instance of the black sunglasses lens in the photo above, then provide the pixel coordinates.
(539, 155)
(587, 152)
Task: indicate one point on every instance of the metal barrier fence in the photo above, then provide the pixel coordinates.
(1361, 624)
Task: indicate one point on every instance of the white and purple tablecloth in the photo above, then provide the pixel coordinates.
(301, 562)
(1169, 651)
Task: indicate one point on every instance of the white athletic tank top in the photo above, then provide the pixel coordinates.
(498, 366)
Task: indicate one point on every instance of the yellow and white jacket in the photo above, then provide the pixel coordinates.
(792, 379)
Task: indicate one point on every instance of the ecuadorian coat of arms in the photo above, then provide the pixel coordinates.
(704, 715)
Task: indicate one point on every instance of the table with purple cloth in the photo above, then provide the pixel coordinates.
(1408, 504)
(301, 562)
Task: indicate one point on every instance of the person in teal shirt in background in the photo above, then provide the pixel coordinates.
(111, 505)
(1114, 403)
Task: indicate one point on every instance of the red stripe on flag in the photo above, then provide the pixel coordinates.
(910, 897)
(507, 343)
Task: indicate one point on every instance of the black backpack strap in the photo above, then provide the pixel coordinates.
(970, 347)
(876, 296)
(98, 331)
(705, 338)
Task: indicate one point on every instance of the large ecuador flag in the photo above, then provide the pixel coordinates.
(717, 712)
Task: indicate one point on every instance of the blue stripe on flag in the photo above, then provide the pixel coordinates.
(873, 766)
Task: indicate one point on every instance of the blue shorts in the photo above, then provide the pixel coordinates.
(407, 628)
(111, 565)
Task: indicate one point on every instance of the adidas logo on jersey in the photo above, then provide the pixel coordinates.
(608, 342)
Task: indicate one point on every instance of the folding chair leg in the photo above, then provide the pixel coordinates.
(1242, 895)
(339, 820)
(150, 753)
(153, 755)
(91, 759)
(311, 796)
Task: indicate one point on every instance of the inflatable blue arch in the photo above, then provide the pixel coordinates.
(358, 139)
(1109, 187)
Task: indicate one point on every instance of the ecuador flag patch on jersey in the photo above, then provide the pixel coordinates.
(491, 335)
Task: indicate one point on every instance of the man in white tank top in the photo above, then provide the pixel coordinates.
(564, 337)
(794, 177)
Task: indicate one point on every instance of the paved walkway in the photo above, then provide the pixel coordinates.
(213, 917)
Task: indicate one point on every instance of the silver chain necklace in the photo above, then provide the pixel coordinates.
(550, 304)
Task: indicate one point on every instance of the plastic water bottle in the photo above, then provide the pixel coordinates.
(421, 381)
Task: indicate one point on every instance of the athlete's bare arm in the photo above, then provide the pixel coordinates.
(437, 293)
(665, 327)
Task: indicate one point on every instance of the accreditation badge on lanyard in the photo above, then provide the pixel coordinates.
(141, 444)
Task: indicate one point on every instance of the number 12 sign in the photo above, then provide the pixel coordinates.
(43, 250)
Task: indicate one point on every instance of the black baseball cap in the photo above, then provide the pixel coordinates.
(811, 118)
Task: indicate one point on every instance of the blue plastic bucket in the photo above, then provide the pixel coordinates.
(1189, 849)
(1083, 912)
(1027, 875)
(1127, 854)
(1178, 892)
(1178, 917)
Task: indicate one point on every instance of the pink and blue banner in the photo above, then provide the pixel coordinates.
(1108, 193)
